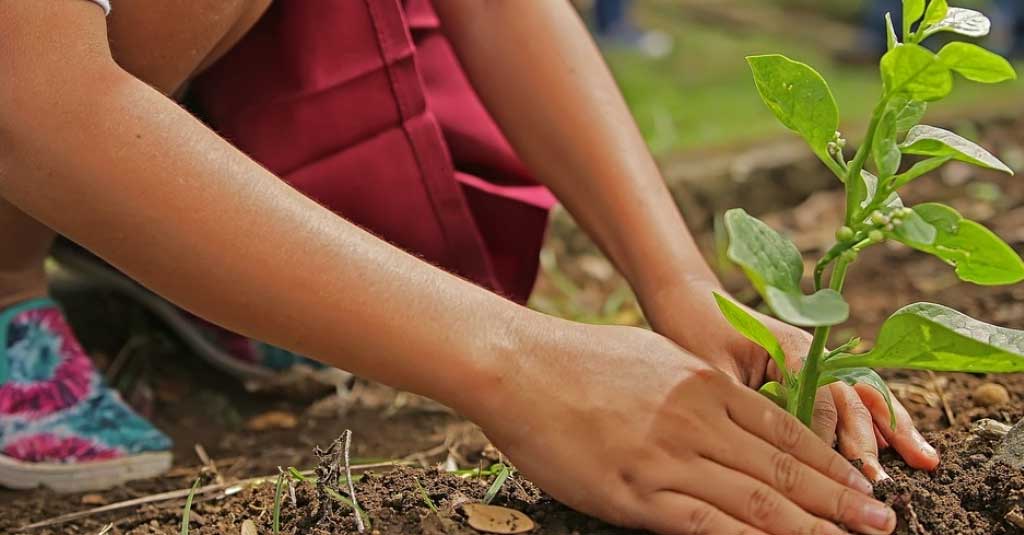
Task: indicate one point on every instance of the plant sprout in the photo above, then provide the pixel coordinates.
(921, 335)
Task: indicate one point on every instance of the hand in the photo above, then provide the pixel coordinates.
(622, 424)
(858, 416)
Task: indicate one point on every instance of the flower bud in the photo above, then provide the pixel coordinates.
(878, 218)
(844, 234)
(876, 236)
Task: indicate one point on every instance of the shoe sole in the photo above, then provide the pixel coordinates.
(76, 270)
(81, 477)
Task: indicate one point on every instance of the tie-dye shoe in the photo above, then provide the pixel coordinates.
(61, 426)
(260, 366)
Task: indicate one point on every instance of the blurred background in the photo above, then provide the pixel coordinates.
(698, 93)
(681, 66)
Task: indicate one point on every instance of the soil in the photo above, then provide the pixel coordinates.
(970, 494)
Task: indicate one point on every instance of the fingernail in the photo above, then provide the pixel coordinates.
(878, 516)
(924, 445)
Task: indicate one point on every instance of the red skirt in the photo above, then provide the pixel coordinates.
(363, 106)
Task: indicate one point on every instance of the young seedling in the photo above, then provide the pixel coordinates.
(187, 510)
(921, 335)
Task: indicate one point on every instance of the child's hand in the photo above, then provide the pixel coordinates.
(858, 417)
(620, 423)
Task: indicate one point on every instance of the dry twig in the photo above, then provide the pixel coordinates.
(351, 485)
(940, 391)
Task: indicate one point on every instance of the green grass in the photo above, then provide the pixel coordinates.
(702, 94)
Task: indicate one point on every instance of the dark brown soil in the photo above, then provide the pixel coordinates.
(968, 495)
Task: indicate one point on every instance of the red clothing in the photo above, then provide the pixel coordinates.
(362, 105)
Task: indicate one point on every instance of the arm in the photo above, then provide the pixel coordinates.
(112, 163)
(542, 78)
(540, 75)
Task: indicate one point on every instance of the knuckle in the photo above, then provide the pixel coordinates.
(825, 412)
(699, 520)
(844, 505)
(788, 433)
(786, 472)
(763, 505)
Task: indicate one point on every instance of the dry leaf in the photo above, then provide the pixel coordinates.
(272, 420)
(494, 519)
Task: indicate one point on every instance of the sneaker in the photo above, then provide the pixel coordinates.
(260, 366)
(61, 426)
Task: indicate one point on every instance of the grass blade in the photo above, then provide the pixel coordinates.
(188, 508)
(335, 495)
(496, 486)
(425, 496)
(277, 502)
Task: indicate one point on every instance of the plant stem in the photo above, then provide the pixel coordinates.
(859, 159)
(810, 373)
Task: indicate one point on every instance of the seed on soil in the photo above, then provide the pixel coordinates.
(991, 395)
(249, 528)
(94, 499)
(494, 519)
(272, 420)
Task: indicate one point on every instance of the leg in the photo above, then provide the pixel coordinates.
(24, 244)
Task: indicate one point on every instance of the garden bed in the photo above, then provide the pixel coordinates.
(969, 494)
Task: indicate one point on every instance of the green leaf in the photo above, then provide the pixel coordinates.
(916, 72)
(914, 229)
(962, 21)
(912, 10)
(773, 264)
(976, 63)
(884, 149)
(908, 112)
(751, 329)
(919, 169)
(853, 376)
(799, 97)
(861, 193)
(767, 258)
(775, 392)
(978, 254)
(937, 10)
(926, 336)
(891, 40)
(822, 308)
(924, 140)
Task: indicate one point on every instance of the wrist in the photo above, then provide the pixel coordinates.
(493, 362)
(685, 296)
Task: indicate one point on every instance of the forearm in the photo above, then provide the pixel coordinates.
(542, 78)
(119, 168)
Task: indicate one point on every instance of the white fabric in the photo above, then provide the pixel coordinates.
(105, 4)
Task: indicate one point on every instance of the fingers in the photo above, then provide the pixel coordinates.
(672, 513)
(825, 418)
(857, 431)
(763, 419)
(749, 500)
(905, 439)
(807, 488)
(882, 442)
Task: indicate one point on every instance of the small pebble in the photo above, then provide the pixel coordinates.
(991, 395)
